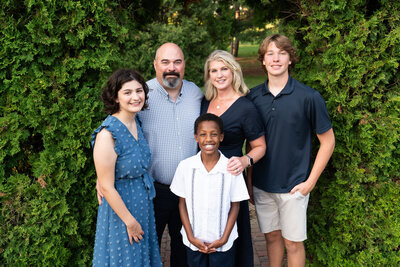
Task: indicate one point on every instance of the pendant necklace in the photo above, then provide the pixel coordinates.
(217, 105)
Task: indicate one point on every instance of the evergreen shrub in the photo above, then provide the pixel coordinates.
(55, 56)
(350, 52)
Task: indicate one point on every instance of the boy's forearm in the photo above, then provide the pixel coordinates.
(185, 218)
(188, 229)
(327, 145)
(233, 213)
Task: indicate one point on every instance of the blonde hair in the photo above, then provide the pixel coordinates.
(237, 80)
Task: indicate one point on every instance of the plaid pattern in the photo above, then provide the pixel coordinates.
(168, 128)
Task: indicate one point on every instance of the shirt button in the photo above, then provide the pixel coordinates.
(273, 108)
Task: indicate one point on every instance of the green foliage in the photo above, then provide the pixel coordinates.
(350, 52)
(54, 58)
(217, 17)
(268, 10)
(188, 34)
(56, 55)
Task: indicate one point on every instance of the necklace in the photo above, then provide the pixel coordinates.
(223, 102)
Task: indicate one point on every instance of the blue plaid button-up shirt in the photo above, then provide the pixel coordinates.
(168, 127)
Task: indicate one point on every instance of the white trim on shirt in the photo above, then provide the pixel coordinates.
(208, 197)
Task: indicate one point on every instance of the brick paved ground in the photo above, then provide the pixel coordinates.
(259, 246)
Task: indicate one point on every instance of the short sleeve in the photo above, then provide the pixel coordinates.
(178, 182)
(252, 123)
(318, 114)
(238, 189)
(109, 125)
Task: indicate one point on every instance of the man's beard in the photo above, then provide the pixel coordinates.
(171, 82)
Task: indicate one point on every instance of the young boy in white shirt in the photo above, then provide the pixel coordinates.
(209, 198)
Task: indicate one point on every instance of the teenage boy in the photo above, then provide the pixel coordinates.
(283, 178)
(209, 198)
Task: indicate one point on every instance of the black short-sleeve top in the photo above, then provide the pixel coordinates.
(241, 121)
(290, 120)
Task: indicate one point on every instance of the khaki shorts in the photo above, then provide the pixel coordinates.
(282, 211)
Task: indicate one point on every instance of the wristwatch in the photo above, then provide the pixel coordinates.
(250, 160)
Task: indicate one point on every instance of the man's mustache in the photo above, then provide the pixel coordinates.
(171, 73)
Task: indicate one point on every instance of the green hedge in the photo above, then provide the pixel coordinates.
(350, 52)
(56, 55)
(54, 58)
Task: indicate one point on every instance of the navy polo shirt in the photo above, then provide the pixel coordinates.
(290, 119)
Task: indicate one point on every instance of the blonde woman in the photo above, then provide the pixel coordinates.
(225, 93)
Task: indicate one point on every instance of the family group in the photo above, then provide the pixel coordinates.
(167, 155)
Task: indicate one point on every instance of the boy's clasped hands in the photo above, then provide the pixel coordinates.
(205, 247)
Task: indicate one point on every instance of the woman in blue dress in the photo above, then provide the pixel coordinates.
(125, 230)
(225, 97)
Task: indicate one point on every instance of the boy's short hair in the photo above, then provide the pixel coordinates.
(283, 43)
(209, 117)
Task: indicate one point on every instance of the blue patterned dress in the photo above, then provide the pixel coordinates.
(135, 186)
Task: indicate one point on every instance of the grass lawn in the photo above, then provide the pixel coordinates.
(248, 50)
(252, 81)
(247, 58)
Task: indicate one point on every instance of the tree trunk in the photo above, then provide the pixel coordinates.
(235, 51)
(235, 39)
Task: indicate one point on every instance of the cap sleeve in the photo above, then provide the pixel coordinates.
(110, 125)
(252, 123)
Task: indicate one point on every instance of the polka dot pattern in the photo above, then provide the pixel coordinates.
(112, 247)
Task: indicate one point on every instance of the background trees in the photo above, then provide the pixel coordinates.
(56, 55)
(350, 52)
(54, 58)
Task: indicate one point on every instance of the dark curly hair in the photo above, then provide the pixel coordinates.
(209, 117)
(283, 43)
(114, 84)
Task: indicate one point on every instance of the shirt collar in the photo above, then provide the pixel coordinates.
(287, 90)
(163, 92)
(220, 167)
